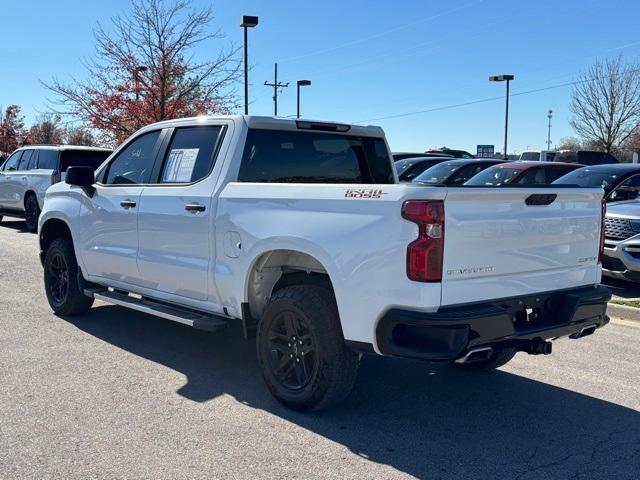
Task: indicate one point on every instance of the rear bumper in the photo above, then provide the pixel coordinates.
(451, 332)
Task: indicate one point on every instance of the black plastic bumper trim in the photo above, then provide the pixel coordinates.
(509, 322)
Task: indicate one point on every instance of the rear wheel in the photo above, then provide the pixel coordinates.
(305, 362)
(496, 360)
(61, 279)
(31, 213)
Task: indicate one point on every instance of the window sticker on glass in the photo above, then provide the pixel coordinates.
(180, 163)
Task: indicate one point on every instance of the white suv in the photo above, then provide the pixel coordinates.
(29, 171)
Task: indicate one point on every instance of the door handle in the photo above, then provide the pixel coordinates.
(127, 204)
(194, 207)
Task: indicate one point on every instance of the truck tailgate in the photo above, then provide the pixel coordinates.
(503, 242)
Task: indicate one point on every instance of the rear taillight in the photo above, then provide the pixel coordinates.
(424, 255)
(55, 177)
(603, 213)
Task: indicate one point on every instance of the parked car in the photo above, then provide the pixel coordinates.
(297, 230)
(522, 173)
(410, 168)
(454, 172)
(622, 241)
(450, 151)
(584, 157)
(538, 155)
(397, 156)
(620, 181)
(29, 171)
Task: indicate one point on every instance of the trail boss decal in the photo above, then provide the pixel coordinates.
(363, 193)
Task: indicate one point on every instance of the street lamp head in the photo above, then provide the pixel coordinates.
(500, 78)
(304, 83)
(249, 21)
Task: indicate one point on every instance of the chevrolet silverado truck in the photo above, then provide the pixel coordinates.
(299, 231)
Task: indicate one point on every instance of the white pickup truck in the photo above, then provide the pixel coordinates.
(300, 231)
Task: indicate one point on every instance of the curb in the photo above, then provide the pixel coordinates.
(623, 312)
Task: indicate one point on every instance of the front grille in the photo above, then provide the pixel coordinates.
(617, 228)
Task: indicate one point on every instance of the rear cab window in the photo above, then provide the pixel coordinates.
(82, 158)
(282, 156)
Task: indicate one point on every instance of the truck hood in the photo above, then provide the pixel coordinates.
(630, 209)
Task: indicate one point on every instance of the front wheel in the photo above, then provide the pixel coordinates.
(61, 279)
(31, 213)
(305, 362)
(496, 360)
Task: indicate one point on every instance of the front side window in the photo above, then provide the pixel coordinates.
(48, 159)
(12, 162)
(134, 163)
(190, 156)
(312, 157)
(627, 190)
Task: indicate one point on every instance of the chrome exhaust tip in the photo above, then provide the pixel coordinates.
(584, 332)
(476, 355)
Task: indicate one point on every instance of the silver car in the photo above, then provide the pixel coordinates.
(29, 171)
(622, 241)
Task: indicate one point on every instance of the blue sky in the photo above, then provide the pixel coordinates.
(368, 60)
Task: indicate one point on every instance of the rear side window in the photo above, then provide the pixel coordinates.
(24, 160)
(191, 154)
(48, 159)
(555, 173)
(82, 158)
(310, 157)
(412, 172)
(33, 161)
(134, 163)
(12, 162)
(533, 176)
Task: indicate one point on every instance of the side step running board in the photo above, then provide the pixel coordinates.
(199, 320)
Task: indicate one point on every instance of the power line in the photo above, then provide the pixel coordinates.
(382, 34)
(483, 100)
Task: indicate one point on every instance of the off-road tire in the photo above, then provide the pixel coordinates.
(496, 360)
(332, 368)
(72, 301)
(31, 213)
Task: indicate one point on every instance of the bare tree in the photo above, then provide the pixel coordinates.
(80, 135)
(606, 103)
(146, 70)
(569, 143)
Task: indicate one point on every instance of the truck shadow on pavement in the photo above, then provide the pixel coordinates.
(429, 421)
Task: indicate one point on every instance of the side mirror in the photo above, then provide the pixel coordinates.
(83, 177)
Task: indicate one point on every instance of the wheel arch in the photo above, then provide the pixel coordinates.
(276, 269)
(51, 230)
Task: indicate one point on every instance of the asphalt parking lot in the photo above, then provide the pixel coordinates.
(118, 394)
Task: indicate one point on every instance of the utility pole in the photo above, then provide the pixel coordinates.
(276, 85)
(549, 115)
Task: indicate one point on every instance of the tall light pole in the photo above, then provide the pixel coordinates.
(549, 115)
(136, 77)
(504, 78)
(246, 23)
(301, 83)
